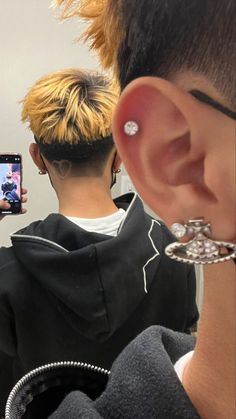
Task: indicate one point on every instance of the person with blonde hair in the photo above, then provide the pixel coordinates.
(82, 283)
(174, 127)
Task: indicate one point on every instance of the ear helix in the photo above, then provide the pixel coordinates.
(131, 128)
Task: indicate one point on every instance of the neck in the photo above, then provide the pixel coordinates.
(88, 198)
(210, 376)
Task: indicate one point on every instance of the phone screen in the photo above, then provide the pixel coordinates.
(10, 182)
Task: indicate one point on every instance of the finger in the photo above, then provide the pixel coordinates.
(23, 211)
(24, 199)
(24, 191)
(4, 204)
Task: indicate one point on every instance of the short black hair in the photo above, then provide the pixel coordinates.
(85, 157)
(163, 37)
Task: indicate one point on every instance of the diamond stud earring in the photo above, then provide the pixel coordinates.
(131, 128)
(200, 249)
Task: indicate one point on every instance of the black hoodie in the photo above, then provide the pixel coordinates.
(142, 385)
(69, 294)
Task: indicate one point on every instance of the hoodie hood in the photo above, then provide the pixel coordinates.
(98, 280)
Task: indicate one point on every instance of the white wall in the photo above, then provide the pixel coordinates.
(32, 43)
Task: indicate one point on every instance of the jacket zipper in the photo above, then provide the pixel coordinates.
(45, 368)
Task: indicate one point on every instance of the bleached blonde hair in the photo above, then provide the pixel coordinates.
(70, 106)
(105, 30)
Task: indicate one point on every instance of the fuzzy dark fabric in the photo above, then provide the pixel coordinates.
(67, 294)
(142, 385)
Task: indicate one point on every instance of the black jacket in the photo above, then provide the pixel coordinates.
(142, 385)
(69, 294)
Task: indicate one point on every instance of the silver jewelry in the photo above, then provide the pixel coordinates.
(131, 128)
(42, 172)
(116, 171)
(200, 250)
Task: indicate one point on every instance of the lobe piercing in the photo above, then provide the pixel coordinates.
(200, 249)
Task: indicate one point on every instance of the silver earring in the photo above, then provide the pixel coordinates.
(131, 128)
(116, 171)
(42, 172)
(200, 250)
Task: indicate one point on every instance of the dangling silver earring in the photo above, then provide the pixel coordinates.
(131, 128)
(42, 172)
(200, 250)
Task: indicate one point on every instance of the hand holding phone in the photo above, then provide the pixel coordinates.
(4, 205)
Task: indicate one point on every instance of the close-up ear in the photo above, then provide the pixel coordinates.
(158, 142)
(37, 159)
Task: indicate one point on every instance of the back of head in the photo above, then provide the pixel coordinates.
(162, 37)
(70, 113)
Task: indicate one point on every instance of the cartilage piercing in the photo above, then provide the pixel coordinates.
(131, 128)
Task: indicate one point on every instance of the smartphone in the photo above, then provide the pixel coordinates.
(11, 181)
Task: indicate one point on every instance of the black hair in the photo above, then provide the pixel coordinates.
(162, 37)
(84, 155)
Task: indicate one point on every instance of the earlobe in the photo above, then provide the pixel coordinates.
(159, 156)
(117, 163)
(36, 157)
